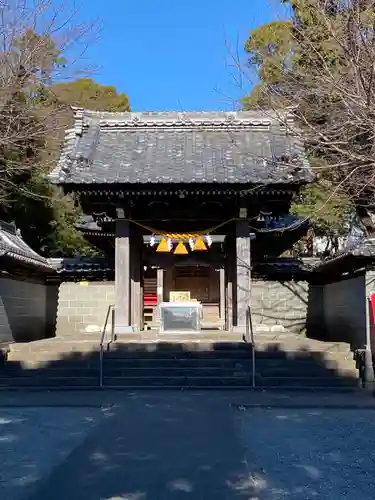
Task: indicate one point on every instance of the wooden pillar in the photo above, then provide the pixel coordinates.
(222, 294)
(229, 286)
(168, 283)
(243, 268)
(160, 285)
(122, 277)
(135, 265)
(159, 292)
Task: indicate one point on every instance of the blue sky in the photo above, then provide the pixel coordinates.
(172, 54)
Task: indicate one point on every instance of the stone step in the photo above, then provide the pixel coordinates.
(133, 371)
(267, 367)
(292, 342)
(179, 381)
(41, 381)
(178, 338)
(178, 355)
(307, 382)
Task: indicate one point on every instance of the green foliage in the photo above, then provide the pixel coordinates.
(88, 94)
(270, 50)
(281, 52)
(329, 212)
(34, 118)
(46, 219)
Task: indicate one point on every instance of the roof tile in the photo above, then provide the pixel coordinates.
(180, 148)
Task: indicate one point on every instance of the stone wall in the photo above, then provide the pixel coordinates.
(82, 307)
(279, 306)
(27, 310)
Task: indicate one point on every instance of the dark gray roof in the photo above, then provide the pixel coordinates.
(204, 147)
(365, 248)
(81, 265)
(13, 247)
(350, 257)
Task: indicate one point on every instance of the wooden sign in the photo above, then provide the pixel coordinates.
(179, 296)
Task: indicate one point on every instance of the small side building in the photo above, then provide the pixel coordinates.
(28, 291)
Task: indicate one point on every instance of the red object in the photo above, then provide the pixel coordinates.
(372, 304)
(150, 299)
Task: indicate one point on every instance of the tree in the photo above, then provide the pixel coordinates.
(91, 95)
(325, 78)
(36, 40)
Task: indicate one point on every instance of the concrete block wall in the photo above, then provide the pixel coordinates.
(27, 310)
(82, 307)
(279, 306)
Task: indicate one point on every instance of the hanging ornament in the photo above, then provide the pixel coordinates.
(199, 245)
(208, 240)
(163, 246)
(152, 240)
(180, 249)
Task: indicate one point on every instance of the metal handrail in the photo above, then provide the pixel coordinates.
(110, 312)
(250, 339)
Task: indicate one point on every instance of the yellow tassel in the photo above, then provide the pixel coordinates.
(163, 246)
(180, 249)
(199, 245)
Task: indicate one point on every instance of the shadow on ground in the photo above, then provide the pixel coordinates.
(172, 444)
(175, 365)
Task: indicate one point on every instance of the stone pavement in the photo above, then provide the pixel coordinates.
(178, 445)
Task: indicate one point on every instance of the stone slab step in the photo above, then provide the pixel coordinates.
(294, 343)
(178, 355)
(179, 381)
(152, 337)
(296, 389)
(41, 381)
(307, 382)
(120, 371)
(19, 372)
(170, 362)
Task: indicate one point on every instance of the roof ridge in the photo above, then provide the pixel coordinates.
(85, 117)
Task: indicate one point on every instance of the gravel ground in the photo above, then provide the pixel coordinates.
(34, 440)
(159, 446)
(309, 454)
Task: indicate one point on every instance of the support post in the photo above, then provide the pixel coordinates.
(229, 287)
(160, 285)
(122, 277)
(243, 273)
(168, 283)
(135, 260)
(222, 295)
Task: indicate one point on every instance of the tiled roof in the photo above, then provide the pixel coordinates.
(366, 248)
(200, 147)
(13, 246)
(351, 256)
(81, 265)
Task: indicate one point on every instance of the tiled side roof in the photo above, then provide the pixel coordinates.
(81, 265)
(220, 147)
(350, 257)
(13, 246)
